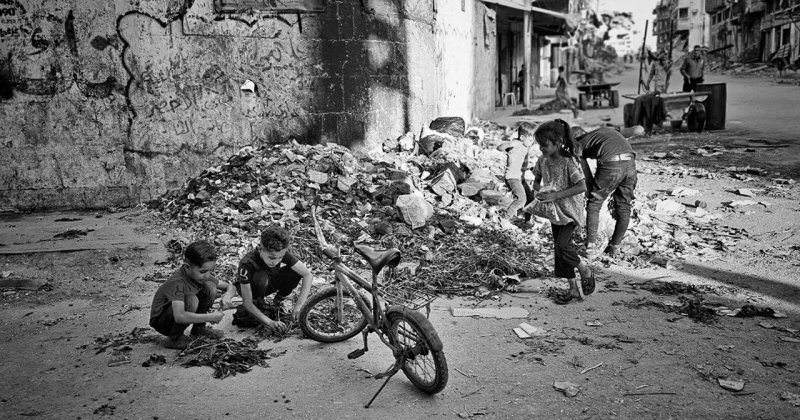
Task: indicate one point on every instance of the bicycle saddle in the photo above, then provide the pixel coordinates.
(379, 259)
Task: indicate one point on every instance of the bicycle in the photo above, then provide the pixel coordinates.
(340, 311)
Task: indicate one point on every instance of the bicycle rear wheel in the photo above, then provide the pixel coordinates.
(426, 366)
(319, 317)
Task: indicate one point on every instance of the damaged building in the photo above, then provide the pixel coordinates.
(113, 102)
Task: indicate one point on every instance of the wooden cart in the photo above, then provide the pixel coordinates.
(597, 93)
(683, 106)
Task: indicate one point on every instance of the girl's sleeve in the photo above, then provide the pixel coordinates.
(537, 168)
(575, 172)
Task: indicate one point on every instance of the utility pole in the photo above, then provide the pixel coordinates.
(641, 58)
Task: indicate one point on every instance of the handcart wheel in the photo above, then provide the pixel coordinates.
(696, 119)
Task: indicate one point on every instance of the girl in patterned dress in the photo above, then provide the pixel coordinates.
(558, 172)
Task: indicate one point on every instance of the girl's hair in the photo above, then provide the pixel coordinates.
(558, 133)
(200, 252)
(275, 238)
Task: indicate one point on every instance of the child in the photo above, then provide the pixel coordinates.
(562, 94)
(186, 297)
(517, 164)
(270, 268)
(558, 169)
(615, 175)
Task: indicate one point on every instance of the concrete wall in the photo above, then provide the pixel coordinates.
(111, 102)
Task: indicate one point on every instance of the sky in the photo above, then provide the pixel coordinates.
(642, 11)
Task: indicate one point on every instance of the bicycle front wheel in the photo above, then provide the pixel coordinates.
(425, 366)
(320, 319)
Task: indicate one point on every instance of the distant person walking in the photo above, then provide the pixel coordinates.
(658, 80)
(692, 69)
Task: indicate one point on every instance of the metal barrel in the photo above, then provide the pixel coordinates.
(715, 104)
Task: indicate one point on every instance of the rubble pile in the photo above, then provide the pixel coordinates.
(441, 208)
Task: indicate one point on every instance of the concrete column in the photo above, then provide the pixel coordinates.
(526, 46)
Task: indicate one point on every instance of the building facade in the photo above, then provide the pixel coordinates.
(755, 31)
(113, 102)
(681, 24)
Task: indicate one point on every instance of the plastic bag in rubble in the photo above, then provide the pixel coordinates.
(414, 210)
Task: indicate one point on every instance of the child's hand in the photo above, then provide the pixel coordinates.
(227, 303)
(277, 327)
(216, 317)
(546, 196)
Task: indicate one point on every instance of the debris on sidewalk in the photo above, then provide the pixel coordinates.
(569, 389)
(226, 356)
(791, 398)
(155, 359)
(731, 385)
(507, 312)
(533, 331)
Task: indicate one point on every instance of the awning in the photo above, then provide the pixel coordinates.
(513, 4)
(552, 22)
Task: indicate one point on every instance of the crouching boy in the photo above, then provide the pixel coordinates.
(270, 268)
(186, 297)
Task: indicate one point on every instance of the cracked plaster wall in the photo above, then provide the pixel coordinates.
(112, 102)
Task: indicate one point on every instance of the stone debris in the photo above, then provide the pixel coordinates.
(443, 209)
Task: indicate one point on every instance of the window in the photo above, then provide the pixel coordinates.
(786, 34)
(683, 13)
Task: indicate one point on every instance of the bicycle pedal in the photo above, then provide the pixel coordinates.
(355, 354)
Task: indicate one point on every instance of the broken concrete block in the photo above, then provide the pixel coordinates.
(444, 183)
(345, 183)
(255, 205)
(414, 210)
(507, 312)
(492, 197)
(473, 221)
(288, 204)
(567, 388)
(317, 176)
(468, 189)
(521, 334)
(202, 195)
(481, 175)
(397, 175)
(532, 331)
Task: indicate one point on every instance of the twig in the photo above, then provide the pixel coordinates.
(649, 393)
(472, 393)
(468, 376)
(593, 367)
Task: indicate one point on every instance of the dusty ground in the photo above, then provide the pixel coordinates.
(654, 364)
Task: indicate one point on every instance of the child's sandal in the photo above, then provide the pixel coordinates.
(588, 283)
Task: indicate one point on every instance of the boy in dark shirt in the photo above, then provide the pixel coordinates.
(270, 268)
(186, 297)
(615, 174)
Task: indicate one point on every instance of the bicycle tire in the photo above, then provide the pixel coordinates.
(317, 317)
(430, 352)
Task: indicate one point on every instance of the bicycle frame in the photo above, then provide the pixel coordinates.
(344, 279)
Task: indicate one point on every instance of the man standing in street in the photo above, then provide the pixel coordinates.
(692, 70)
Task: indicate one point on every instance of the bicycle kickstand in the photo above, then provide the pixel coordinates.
(388, 374)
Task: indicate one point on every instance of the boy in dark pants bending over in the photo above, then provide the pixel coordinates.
(186, 297)
(270, 268)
